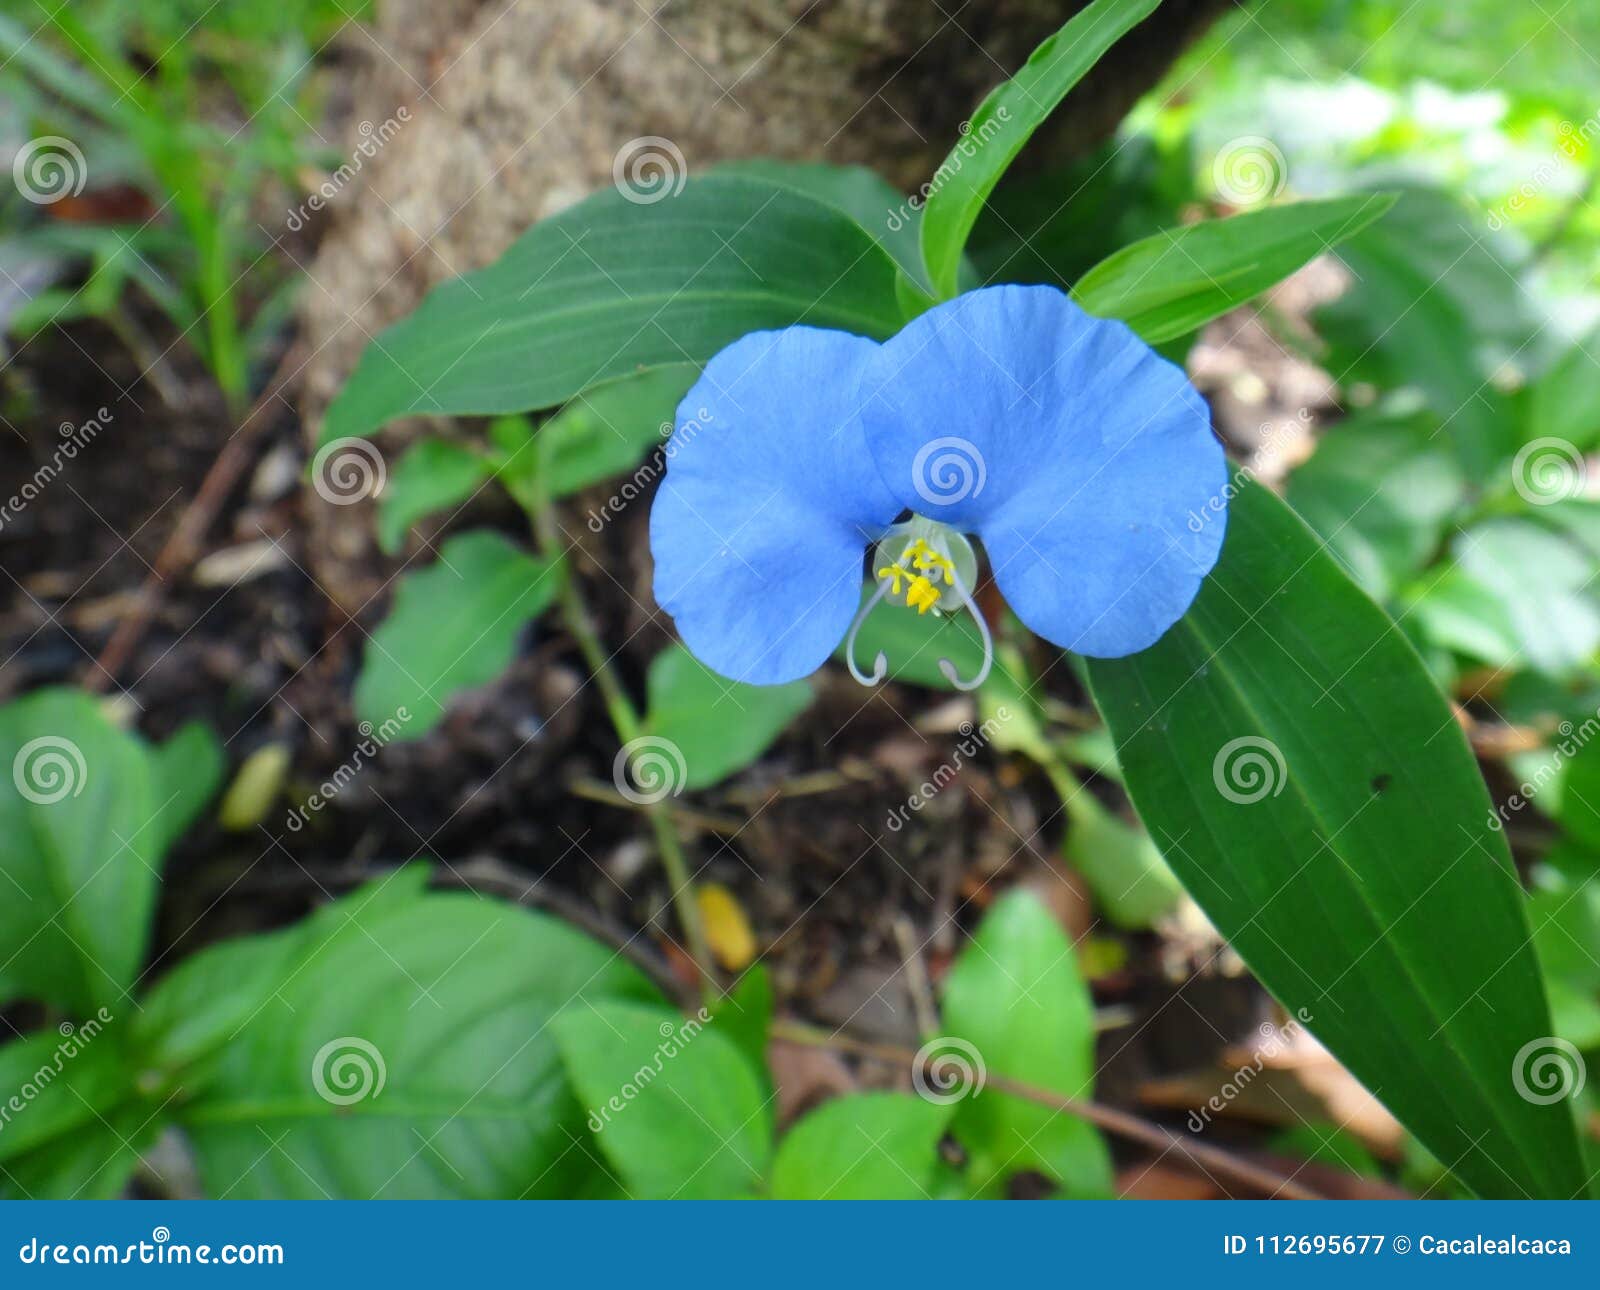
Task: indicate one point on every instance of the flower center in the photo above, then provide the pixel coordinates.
(924, 565)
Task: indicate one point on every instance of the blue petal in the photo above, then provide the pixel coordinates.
(1083, 459)
(769, 500)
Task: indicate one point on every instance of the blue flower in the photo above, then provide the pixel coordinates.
(1077, 455)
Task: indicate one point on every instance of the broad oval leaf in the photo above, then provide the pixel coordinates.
(431, 475)
(863, 1146)
(1310, 786)
(611, 286)
(1005, 121)
(1167, 285)
(715, 726)
(454, 625)
(673, 1104)
(1016, 1000)
(405, 1052)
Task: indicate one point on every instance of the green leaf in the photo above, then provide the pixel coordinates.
(1015, 996)
(716, 726)
(1580, 794)
(1564, 403)
(1380, 493)
(62, 1093)
(1311, 787)
(673, 1104)
(1435, 306)
(865, 1146)
(405, 1052)
(87, 814)
(1455, 612)
(609, 287)
(432, 475)
(1167, 285)
(601, 433)
(1006, 120)
(454, 625)
(863, 194)
(914, 643)
(187, 770)
(744, 1015)
(1542, 581)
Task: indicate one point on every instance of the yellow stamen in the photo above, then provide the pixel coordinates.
(922, 595)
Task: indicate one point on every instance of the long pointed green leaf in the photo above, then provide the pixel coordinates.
(1005, 121)
(1312, 789)
(612, 286)
(1167, 285)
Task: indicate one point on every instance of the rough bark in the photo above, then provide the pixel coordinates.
(518, 109)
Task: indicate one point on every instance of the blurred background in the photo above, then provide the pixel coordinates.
(216, 206)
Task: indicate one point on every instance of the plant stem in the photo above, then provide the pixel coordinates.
(628, 725)
(1207, 1158)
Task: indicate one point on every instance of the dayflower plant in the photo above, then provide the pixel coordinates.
(1067, 446)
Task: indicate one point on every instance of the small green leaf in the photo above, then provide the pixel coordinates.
(1015, 997)
(673, 1105)
(1006, 120)
(432, 474)
(87, 814)
(1564, 403)
(744, 1015)
(1302, 775)
(1543, 582)
(405, 1052)
(717, 726)
(187, 770)
(1167, 285)
(865, 1146)
(454, 625)
(603, 432)
(610, 287)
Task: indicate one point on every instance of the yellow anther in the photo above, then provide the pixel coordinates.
(922, 595)
(896, 572)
